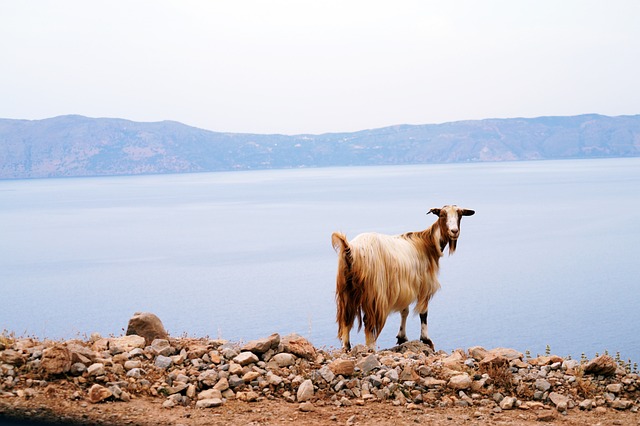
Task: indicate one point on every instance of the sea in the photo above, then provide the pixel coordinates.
(550, 262)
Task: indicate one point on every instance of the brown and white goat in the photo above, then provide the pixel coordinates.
(379, 274)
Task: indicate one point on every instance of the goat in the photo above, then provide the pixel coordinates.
(379, 274)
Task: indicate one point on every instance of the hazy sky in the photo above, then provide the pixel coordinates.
(303, 66)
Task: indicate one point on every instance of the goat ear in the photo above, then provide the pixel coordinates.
(467, 212)
(435, 211)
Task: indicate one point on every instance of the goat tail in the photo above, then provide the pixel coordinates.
(348, 292)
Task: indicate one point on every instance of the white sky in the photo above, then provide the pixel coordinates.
(301, 66)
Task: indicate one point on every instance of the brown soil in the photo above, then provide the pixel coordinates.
(57, 406)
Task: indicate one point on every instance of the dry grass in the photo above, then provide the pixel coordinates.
(501, 375)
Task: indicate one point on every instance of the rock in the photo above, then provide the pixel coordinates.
(299, 346)
(542, 385)
(326, 373)
(344, 367)
(130, 365)
(78, 368)
(208, 378)
(246, 358)
(477, 352)
(147, 325)
(161, 347)
(305, 391)
(163, 361)
(621, 404)
(261, 346)
(209, 403)
(177, 388)
(128, 342)
(306, 407)
(282, 360)
(368, 363)
(560, 401)
(460, 382)
(56, 360)
(251, 376)
(210, 394)
(96, 369)
(545, 416)
(507, 353)
(12, 357)
(222, 384)
(136, 373)
(603, 365)
(249, 396)
(615, 388)
(273, 379)
(587, 404)
(507, 403)
(99, 393)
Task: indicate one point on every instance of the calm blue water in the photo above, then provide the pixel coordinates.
(551, 256)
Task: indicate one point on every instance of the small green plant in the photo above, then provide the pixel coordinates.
(547, 350)
(527, 354)
(583, 358)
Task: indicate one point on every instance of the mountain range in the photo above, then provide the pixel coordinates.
(74, 145)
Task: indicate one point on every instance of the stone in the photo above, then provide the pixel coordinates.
(130, 365)
(246, 358)
(78, 368)
(210, 394)
(560, 401)
(96, 369)
(603, 365)
(477, 352)
(222, 384)
(368, 363)
(507, 403)
(261, 346)
(251, 376)
(305, 391)
(129, 342)
(344, 367)
(542, 385)
(460, 382)
(209, 403)
(146, 325)
(507, 353)
(163, 361)
(545, 416)
(587, 404)
(306, 407)
(56, 360)
(282, 360)
(99, 393)
(12, 357)
(273, 379)
(299, 346)
(615, 388)
(136, 373)
(208, 378)
(249, 396)
(326, 373)
(161, 347)
(621, 404)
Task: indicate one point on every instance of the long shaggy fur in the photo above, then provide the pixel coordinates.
(379, 274)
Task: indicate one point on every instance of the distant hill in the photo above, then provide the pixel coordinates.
(79, 146)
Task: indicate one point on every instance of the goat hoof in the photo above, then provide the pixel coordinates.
(428, 342)
(401, 340)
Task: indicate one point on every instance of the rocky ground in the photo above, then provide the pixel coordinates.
(130, 380)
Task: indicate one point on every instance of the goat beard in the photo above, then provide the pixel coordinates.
(452, 246)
